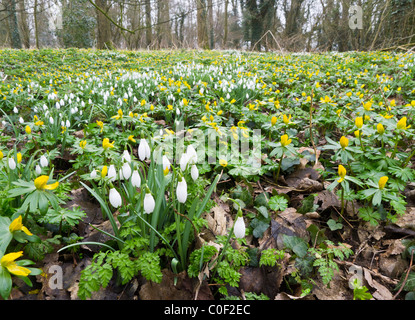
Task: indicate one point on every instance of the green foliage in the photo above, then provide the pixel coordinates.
(278, 203)
(269, 257)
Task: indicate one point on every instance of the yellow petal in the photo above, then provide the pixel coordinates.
(16, 224)
(10, 257)
(17, 270)
(52, 186)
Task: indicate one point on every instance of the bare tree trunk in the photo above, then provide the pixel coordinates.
(24, 28)
(225, 33)
(103, 26)
(36, 25)
(210, 25)
(202, 34)
(16, 42)
(149, 31)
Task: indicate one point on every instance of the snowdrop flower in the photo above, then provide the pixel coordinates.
(93, 174)
(144, 150)
(126, 156)
(239, 227)
(136, 179)
(181, 190)
(166, 163)
(194, 172)
(184, 159)
(21, 120)
(149, 203)
(112, 173)
(12, 164)
(38, 169)
(51, 120)
(192, 155)
(43, 161)
(15, 110)
(126, 170)
(115, 198)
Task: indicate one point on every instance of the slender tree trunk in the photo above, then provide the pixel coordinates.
(103, 26)
(36, 24)
(225, 22)
(24, 28)
(202, 34)
(149, 31)
(16, 42)
(210, 25)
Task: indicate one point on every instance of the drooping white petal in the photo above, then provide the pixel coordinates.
(166, 163)
(142, 149)
(136, 179)
(93, 174)
(191, 154)
(112, 173)
(115, 198)
(126, 170)
(43, 161)
(12, 164)
(239, 228)
(126, 156)
(194, 172)
(38, 169)
(181, 191)
(183, 161)
(149, 203)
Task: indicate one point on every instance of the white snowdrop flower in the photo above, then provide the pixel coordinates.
(120, 174)
(239, 228)
(149, 203)
(38, 169)
(43, 161)
(194, 172)
(93, 174)
(181, 191)
(112, 173)
(62, 103)
(57, 106)
(21, 120)
(12, 163)
(62, 123)
(126, 170)
(166, 163)
(126, 156)
(68, 124)
(15, 110)
(178, 111)
(136, 179)
(191, 153)
(115, 198)
(144, 150)
(184, 159)
(51, 120)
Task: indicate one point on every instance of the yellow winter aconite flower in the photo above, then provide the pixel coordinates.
(101, 125)
(8, 262)
(273, 120)
(359, 122)
(382, 182)
(17, 225)
(223, 162)
(106, 144)
(285, 141)
(19, 157)
(344, 142)
(41, 183)
(82, 144)
(119, 115)
(368, 106)
(402, 124)
(380, 128)
(28, 130)
(131, 138)
(286, 119)
(342, 173)
(357, 133)
(104, 171)
(1, 155)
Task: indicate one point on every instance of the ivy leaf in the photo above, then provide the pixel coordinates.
(296, 245)
(333, 225)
